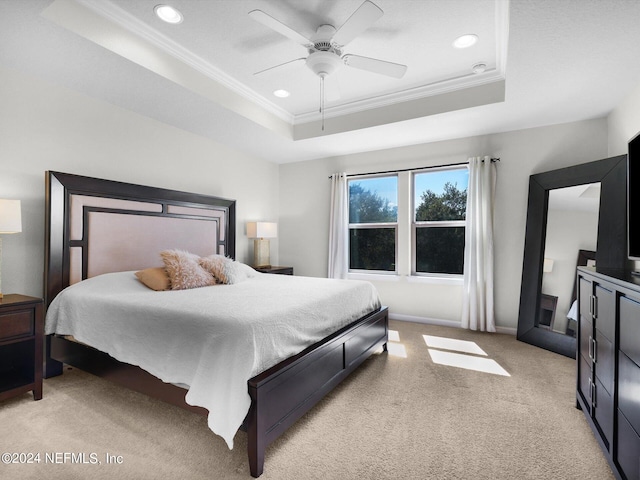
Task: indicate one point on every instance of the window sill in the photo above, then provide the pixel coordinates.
(434, 280)
(375, 277)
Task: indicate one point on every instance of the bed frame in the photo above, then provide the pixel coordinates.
(96, 226)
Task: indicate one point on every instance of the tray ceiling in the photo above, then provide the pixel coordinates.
(548, 62)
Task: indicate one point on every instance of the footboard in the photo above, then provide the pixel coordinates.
(285, 392)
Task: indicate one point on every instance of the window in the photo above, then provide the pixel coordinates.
(409, 222)
(373, 223)
(439, 217)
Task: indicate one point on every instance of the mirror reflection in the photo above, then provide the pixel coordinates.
(571, 238)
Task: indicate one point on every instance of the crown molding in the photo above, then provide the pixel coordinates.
(117, 15)
(412, 94)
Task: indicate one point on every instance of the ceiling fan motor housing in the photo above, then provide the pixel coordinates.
(323, 63)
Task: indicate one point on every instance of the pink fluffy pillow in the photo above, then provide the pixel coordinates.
(184, 271)
(226, 270)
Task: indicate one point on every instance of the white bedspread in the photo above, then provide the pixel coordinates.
(212, 339)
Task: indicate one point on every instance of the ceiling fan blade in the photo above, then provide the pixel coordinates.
(280, 65)
(365, 16)
(374, 65)
(281, 28)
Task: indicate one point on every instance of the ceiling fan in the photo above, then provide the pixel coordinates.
(325, 47)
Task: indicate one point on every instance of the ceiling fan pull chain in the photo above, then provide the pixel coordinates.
(322, 99)
(320, 109)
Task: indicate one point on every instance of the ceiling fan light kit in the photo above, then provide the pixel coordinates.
(323, 63)
(325, 47)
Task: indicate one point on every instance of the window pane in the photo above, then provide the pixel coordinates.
(440, 250)
(372, 249)
(373, 200)
(441, 195)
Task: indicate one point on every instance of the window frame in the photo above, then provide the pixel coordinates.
(415, 225)
(370, 225)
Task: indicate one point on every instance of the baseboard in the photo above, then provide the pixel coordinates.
(444, 323)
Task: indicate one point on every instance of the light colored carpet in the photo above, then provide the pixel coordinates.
(394, 418)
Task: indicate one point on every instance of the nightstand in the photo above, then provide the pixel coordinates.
(21, 334)
(547, 314)
(275, 269)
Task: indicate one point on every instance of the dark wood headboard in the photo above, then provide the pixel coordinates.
(96, 226)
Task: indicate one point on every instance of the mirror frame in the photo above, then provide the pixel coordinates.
(611, 250)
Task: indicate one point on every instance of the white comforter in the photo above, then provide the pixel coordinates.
(212, 339)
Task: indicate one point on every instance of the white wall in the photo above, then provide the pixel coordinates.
(304, 207)
(623, 125)
(568, 231)
(46, 127)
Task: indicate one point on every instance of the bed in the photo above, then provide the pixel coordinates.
(99, 232)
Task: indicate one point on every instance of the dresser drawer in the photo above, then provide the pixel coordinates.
(586, 335)
(605, 361)
(630, 328)
(628, 387)
(605, 310)
(603, 413)
(584, 382)
(16, 324)
(628, 457)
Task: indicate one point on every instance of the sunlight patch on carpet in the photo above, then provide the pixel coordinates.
(444, 343)
(394, 347)
(468, 362)
(397, 350)
(461, 354)
(394, 336)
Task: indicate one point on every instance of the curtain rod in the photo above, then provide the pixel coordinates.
(412, 169)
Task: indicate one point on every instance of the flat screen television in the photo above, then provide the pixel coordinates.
(633, 198)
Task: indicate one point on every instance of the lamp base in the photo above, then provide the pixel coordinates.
(0, 268)
(261, 250)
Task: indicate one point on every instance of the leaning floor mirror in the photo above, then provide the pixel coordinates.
(586, 201)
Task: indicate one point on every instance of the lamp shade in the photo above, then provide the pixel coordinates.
(10, 218)
(262, 230)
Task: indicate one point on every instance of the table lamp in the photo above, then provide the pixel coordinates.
(10, 222)
(261, 232)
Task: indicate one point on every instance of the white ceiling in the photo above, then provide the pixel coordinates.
(549, 61)
(222, 34)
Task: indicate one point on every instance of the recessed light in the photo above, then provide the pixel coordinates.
(168, 14)
(281, 93)
(465, 41)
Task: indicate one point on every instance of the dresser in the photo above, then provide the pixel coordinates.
(608, 361)
(21, 336)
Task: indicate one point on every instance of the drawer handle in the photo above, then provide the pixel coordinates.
(590, 348)
(595, 350)
(594, 401)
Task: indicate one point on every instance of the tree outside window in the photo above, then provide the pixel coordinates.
(373, 223)
(440, 200)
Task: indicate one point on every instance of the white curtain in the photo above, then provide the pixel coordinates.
(477, 297)
(339, 227)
